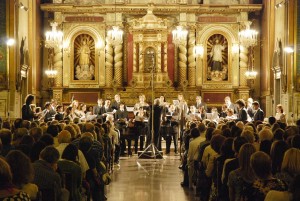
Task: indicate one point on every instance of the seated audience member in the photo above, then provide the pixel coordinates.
(6, 137)
(193, 153)
(243, 176)
(261, 164)
(45, 175)
(36, 150)
(293, 194)
(18, 134)
(290, 166)
(296, 141)
(36, 133)
(64, 139)
(22, 171)
(7, 189)
(70, 167)
(278, 150)
(271, 120)
(258, 112)
(47, 139)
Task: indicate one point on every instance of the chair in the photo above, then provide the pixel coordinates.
(72, 178)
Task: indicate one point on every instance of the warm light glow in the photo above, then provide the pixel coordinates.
(235, 48)
(10, 42)
(199, 50)
(289, 49)
(179, 35)
(251, 75)
(54, 38)
(51, 73)
(248, 37)
(115, 36)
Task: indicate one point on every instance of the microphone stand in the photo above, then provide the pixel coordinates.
(154, 152)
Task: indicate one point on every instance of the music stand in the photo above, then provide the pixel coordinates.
(151, 152)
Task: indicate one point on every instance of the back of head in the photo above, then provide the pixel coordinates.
(36, 133)
(291, 161)
(201, 127)
(88, 127)
(261, 164)
(53, 130)
(248, 135)
(272, 120)
(49, 154)
(265, 134)
(5, 173)
(5, 136)
(21, 167)
(216, 142)
(195, 133)
(208, 134)
(238, 142)
(70, 153)
(64, 137)
(85, 144)
(19, 133)
(71, 130)
(47, 139)
(36, 150)
(296, 141)
(18, 123)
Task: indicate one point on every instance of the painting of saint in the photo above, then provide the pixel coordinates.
(84, 57)
(217, 58)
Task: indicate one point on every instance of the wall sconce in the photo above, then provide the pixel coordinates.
(21, 6)
(199, 50)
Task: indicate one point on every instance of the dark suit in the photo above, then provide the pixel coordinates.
(27, 113)
(242, 115)
(116, 105)
(121, 114)
(202, 104)
(157, 110)
(97, 111)
(173, 122)
(259, 115)
(48, 115)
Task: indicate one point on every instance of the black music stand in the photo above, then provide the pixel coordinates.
(151, 152)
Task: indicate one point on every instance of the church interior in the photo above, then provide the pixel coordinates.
(83, 51)
(123, 64)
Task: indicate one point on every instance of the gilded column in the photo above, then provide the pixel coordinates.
(158, 60)
(134, 58)
(243, 65)
(109, 64)
(58, 65)
(182, 62)
(118, 60)
(191, 58)
(165, 57)
(141, 55)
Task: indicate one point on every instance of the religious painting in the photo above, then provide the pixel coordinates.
(149, 59)
(217, 58)
(84, 57)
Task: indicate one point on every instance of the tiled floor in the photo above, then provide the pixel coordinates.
(148, 180)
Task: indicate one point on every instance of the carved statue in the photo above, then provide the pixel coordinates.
(84, 51)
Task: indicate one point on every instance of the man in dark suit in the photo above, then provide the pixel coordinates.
(46, 114)
(121, 117)
(115, 105)
(98, 108)
(258, 112)
(200, 103)
(172, 120)
(157, 109)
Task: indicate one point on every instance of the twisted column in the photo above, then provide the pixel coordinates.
(141, 65)
(182, 62)
(191, 59)
(165, 57)
(109, 64)
(243, 65)
(58, 65)
(118, 59)
(158, 59)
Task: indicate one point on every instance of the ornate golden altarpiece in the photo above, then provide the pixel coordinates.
(177, 68)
